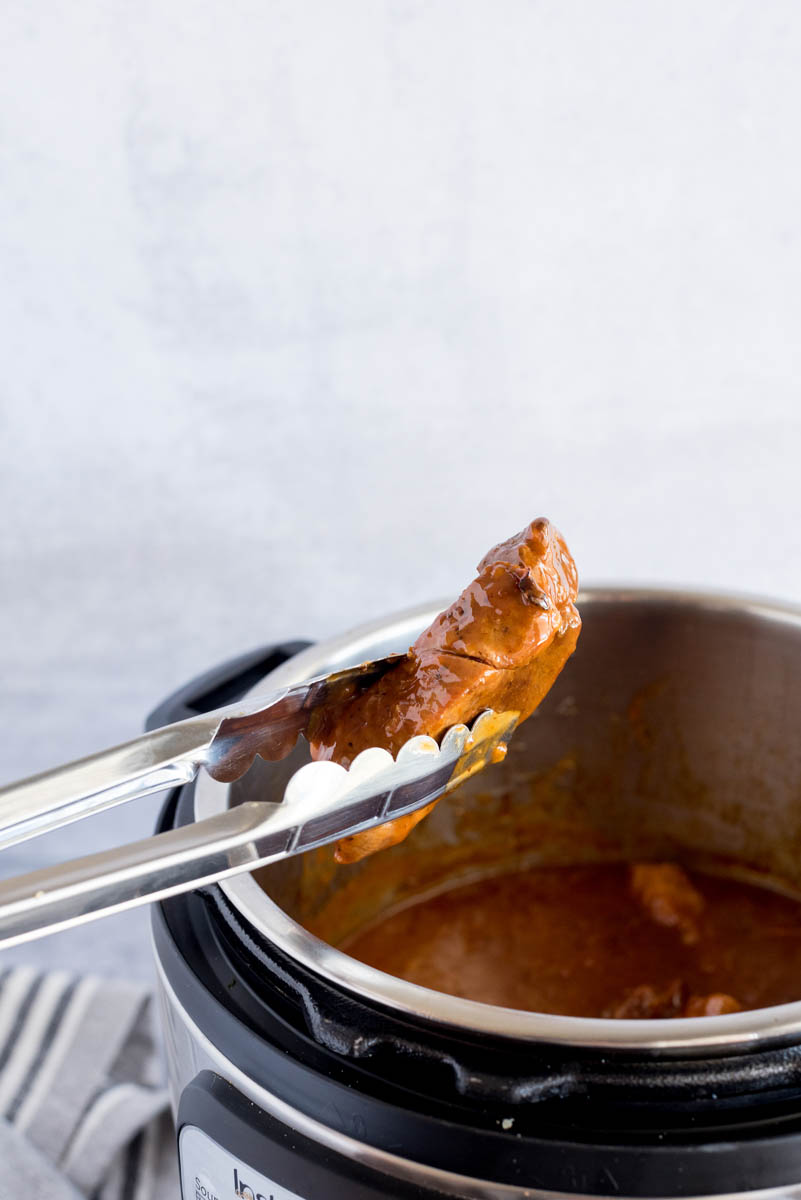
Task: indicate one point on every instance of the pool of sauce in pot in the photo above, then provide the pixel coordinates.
(577, 941)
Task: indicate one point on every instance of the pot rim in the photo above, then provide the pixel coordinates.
(731, 1032)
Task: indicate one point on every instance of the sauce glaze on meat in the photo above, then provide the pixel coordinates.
(500, 645)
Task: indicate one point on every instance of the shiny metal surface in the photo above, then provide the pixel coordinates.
(672, 732)
(321, 803)
(224, 741)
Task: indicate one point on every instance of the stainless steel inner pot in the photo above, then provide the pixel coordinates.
(670, 734)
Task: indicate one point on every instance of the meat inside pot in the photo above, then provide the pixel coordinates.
(666, 894)
(500, 645)
(593, 941)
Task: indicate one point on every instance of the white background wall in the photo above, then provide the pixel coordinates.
(305, 304)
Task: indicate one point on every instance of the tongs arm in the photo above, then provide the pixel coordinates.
(158, 760)
(72, 893)
(224, 741)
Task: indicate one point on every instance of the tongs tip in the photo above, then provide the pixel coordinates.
(319, 786)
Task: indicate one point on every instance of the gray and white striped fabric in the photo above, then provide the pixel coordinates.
(83, 1109)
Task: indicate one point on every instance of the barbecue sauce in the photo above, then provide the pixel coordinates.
(597, 940)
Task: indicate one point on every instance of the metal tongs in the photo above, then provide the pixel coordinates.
(322, 802)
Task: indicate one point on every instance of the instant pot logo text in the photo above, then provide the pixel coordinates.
(246, 1192)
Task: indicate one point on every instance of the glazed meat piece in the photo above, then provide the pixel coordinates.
(500, 646)
(645, 1003)
(648, 1003)
(669, 898)
(711, 1006)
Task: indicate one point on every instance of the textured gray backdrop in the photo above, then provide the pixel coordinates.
(303, 305)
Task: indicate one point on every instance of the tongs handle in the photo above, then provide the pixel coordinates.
(158, 760)
(99, 884)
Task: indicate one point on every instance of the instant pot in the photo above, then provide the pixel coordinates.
(298, 1073)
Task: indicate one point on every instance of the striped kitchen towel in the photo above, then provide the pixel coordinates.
(83, 1108)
